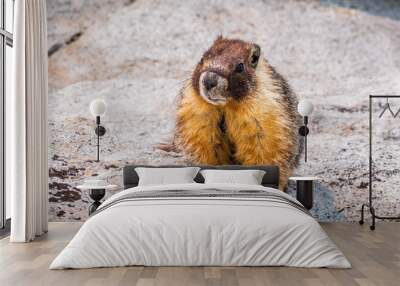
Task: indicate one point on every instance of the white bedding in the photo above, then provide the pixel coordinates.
(192, 231)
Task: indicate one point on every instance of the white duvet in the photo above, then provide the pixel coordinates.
(200, 231)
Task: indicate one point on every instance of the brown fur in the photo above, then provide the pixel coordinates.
(258, 124)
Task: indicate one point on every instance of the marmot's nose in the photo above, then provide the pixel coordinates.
(210, 81)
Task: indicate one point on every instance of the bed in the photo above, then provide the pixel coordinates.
(199, 224)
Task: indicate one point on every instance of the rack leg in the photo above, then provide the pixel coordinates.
(372, 210)
(361, 222)
(373, 216)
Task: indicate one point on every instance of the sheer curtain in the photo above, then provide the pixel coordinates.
(26, 118)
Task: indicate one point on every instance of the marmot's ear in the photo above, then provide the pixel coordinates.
(219, 38)
(255, 55)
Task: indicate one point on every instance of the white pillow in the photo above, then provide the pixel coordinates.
(163, 176)
(248, 177)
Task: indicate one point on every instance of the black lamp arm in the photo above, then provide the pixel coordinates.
(303, 131)
(100, 131)
(305, 118)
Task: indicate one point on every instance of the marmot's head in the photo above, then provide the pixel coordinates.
(227, 71)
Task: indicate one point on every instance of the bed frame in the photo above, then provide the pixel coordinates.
(271, 177)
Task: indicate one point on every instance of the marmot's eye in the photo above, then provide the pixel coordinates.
(255, 56)
(254, 60)
(239, 68)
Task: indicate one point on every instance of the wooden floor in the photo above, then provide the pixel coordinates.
(375, 257)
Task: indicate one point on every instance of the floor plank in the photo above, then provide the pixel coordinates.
(375, 257)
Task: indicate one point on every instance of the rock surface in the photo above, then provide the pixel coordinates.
(136, 55)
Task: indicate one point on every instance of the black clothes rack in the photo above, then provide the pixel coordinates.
(370, 202)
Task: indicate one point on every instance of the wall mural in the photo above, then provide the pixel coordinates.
(178, 93)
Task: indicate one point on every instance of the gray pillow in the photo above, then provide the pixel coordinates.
(248, 177)
(165, 176)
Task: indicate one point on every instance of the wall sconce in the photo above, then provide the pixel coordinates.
(97, 109)
(305, 108)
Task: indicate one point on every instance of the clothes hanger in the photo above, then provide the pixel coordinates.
(387, 107)
(397, 113)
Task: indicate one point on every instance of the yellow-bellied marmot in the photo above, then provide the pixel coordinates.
(237, 109)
